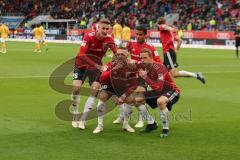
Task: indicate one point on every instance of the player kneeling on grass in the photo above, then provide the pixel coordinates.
(135, 49)
(117, 80)
(164, 91)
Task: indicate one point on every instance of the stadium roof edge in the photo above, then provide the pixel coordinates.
(59, 20)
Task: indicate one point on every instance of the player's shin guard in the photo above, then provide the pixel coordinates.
(127, 111)
(127, 114)
(187, 74)
(164, 118)
(121, 111)
(145, 114)
(100, 111)
(88, 107)
(140, 117)
(75, 103)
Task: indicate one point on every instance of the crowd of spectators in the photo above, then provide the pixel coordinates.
(193, 14)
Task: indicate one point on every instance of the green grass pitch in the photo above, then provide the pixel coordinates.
(204, 123)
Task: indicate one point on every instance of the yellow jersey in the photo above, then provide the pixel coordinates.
(4, 31)
(38, 33)
(126, 33)
(180, 34)
(117, 31)
(42, 29)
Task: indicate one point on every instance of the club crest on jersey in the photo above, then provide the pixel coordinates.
(83, 43)
(160, 76)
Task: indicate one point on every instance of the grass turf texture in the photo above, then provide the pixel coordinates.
(204, 123)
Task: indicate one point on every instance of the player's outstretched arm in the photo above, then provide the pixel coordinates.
(171, 29)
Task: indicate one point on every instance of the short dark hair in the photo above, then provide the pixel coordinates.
(142, 28)
(161, 20)
(146, 50)
(104, 21)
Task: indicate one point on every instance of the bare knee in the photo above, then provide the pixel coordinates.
(76, 86)
(140, 89)
(129, 100)
(162, 102)
(103, 96)
(139, 101)
(174, 73)
(95, 88)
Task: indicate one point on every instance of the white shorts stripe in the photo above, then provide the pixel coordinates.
(175, 94)
(170, 60)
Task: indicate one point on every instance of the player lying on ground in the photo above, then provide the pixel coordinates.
(88, 63)
(170, 57)
(164, 91)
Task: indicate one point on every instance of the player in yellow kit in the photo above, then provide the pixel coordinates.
(126, 33)
(4, 32)
(117, 32)
(38, 34)
(43, 41)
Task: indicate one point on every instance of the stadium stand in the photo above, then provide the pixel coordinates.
(193, 14)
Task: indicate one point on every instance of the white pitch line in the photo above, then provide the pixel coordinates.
(226, 65)
(217, 72)
(29, 77)
(25, 77)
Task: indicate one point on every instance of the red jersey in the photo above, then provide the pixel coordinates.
(159, 79)
(135, 49)
(94, 26)
(167, 38)
(92, 50)
(122, 80)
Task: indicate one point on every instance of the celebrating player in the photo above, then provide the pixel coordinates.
(170, 57)
(88, 63)
(117, 80)
(4, 31)
(135, 49)
(164, 91)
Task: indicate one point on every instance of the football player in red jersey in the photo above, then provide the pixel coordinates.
(88, 63)
(170, 57)
(118, 79)
(164, 91)
(135, 49)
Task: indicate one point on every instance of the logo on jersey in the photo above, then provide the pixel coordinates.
(104, 86)
(160, 76)
(83, 43)
(75, 76)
